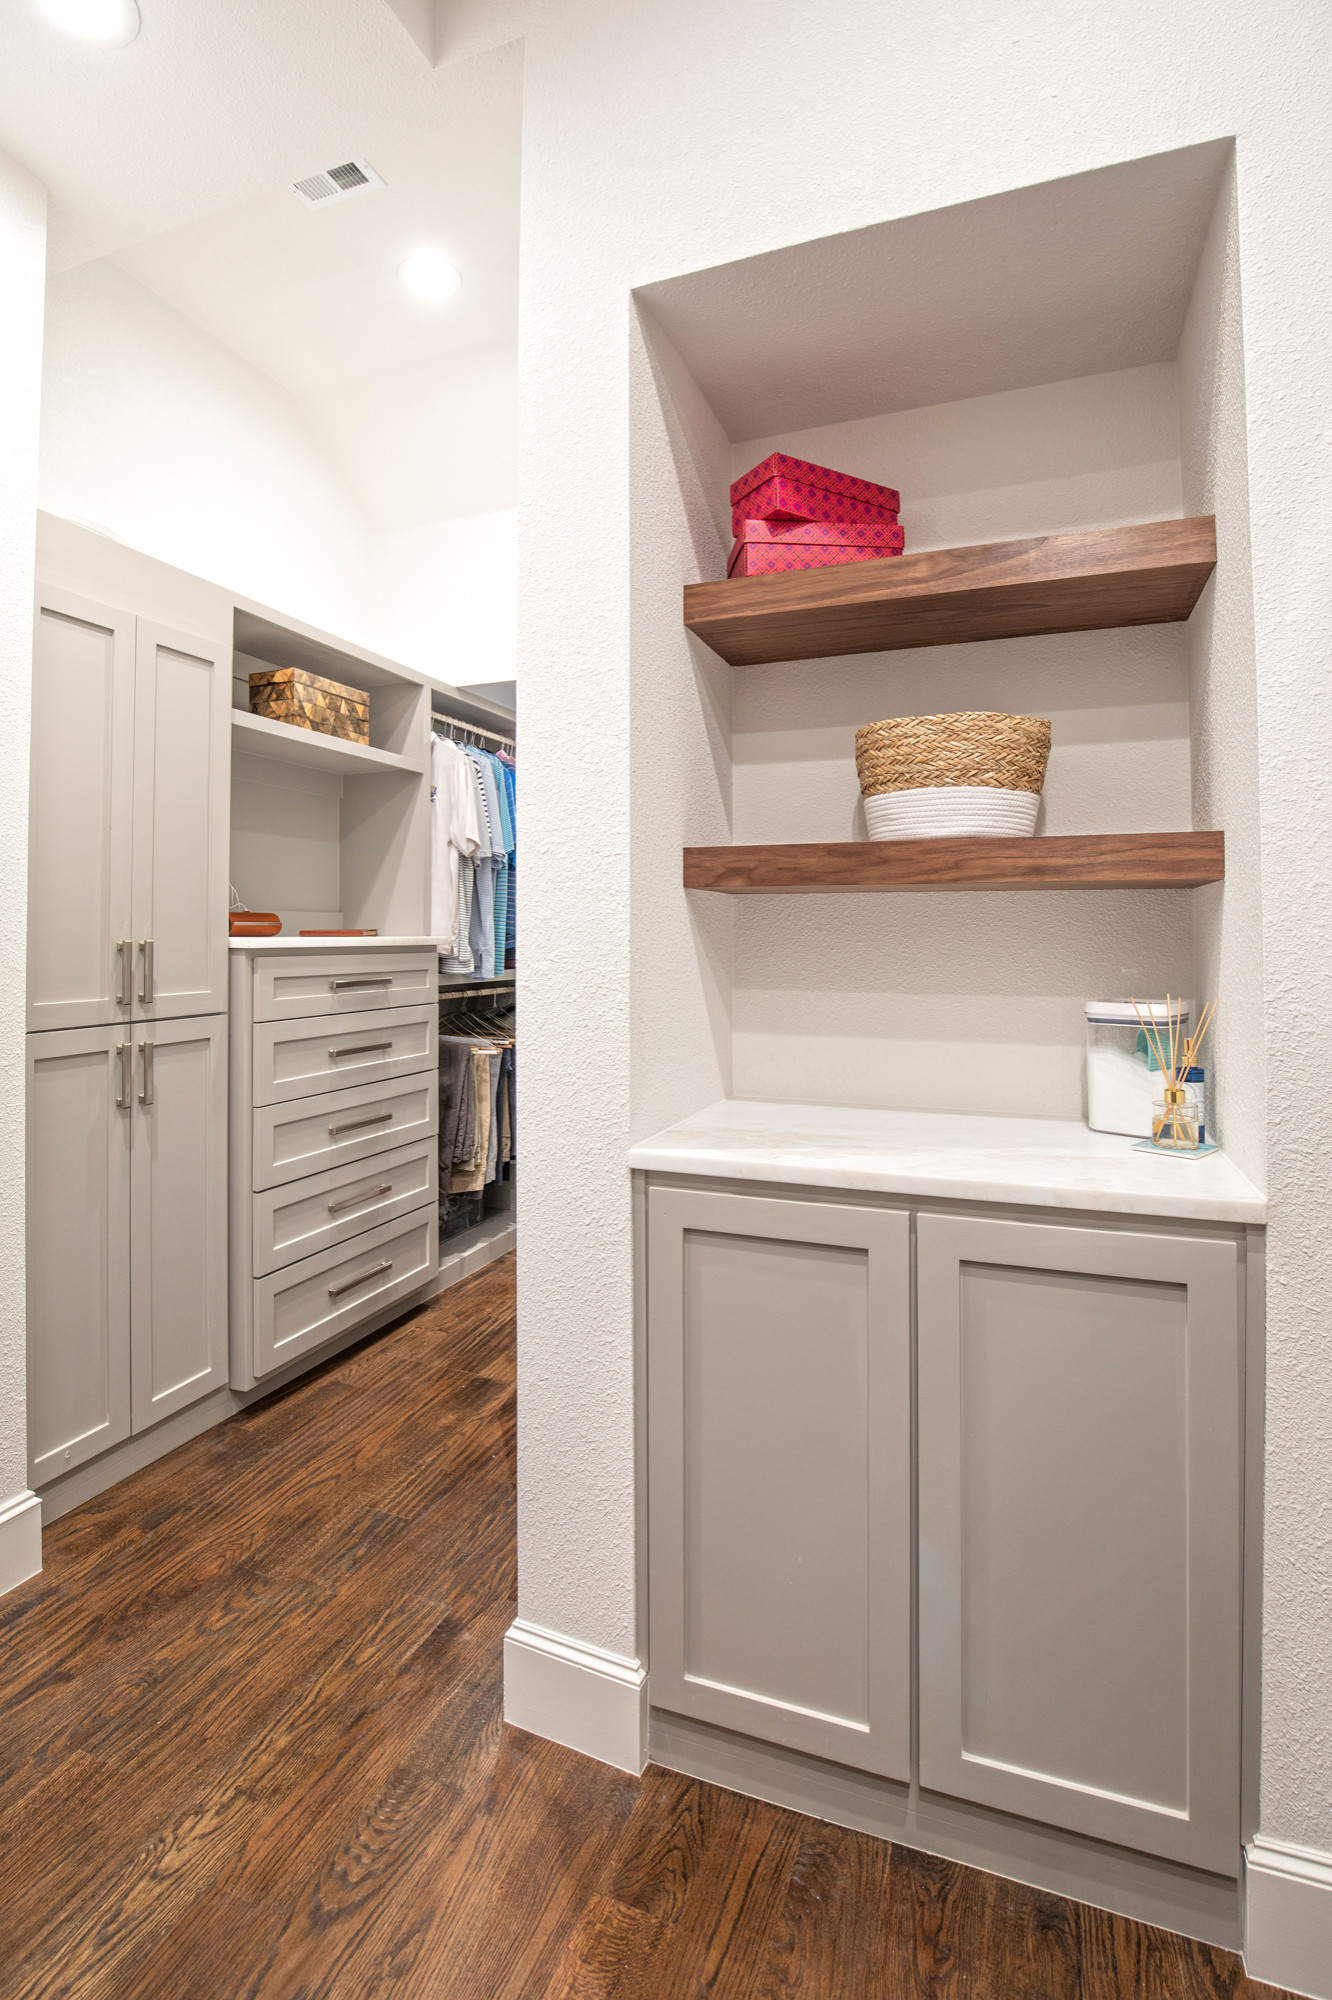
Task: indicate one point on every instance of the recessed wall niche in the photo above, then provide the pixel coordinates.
(1056, 358)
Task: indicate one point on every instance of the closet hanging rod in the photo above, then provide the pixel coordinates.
(448, 727)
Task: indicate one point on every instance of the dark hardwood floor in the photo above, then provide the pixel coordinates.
(251, 1749)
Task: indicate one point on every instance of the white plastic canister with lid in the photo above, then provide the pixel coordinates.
(1122, 1072)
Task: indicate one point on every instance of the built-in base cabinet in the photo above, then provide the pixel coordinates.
(781, 1471)
(127, 1171)
(1077, 1481)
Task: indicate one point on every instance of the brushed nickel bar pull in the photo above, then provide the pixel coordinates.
(125, 1085)
(355, 1200)
(146, 1094)
(125, 983)
(350, 1284)
(361, 1048)
(341, 985)
(355, 1124)
(146, 990)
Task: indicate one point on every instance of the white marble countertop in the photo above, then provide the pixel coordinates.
(294, 943)
(1052, 1163)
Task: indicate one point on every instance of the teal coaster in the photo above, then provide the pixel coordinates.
(1173, 1153)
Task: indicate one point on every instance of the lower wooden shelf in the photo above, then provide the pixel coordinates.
(1051, 861)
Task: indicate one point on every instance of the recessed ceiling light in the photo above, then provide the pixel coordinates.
(430, 275)
(110, 22)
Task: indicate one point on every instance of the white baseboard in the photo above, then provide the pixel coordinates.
(1288, 1926)
(577, 1695)
(20, 1539)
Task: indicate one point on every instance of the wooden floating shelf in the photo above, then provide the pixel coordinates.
(1145, 575)
(1052, 861)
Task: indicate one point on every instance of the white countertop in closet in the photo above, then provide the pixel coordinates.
(280, 943)
(1054, 1163)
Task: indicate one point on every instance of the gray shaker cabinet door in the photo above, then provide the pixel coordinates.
(1080, 1529)
(182, 776)
(78, 1196)
(780, 1442)
(178, 1226)
(79, 813)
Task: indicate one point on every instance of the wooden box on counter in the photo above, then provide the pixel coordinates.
(293, 695)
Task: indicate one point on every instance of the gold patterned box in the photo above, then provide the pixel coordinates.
(290, 694)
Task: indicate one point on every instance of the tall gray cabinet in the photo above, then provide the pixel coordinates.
(127, 1048)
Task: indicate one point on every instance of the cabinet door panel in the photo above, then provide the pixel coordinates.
(178, 1235)
(182, 766)
(79, 812)
(1079, 1518)
(78, 1186)
(780, 1471)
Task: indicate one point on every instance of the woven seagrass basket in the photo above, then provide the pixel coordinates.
(911, 752)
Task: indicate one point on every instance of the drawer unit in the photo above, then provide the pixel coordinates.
(308, 1303)
(304, 1057)
(315, 1133)
(334, 1146)
(322, 1210)
(341, 982)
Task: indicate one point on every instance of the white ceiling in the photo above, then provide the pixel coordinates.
(175, 156)
(216, 104)
(1074, 277)
(313, 296)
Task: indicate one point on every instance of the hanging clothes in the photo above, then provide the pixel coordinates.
(455, 835)
(473, 838)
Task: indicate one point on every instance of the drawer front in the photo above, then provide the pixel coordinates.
(306, 1216)
(302, 1058)
(301, 1307)
(341, 982)
(315, 1133)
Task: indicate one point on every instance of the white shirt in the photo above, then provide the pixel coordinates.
(455, 830)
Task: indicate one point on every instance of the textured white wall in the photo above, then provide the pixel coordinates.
(381, 508)
(971, 1003)
(22, 281)
(1096, 452)
(1228, 919)
(157, 432)
(445, 596)
(648, 151)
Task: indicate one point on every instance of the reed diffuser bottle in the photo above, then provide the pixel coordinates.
(1179, 1116)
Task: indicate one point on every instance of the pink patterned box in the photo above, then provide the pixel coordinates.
(791, 489)
(766, 547)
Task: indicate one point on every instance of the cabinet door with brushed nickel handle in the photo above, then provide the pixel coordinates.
(79, 1094)
(80, 969)
(301, 1058)
(322, 1210)
(178, 1217)
(182, 765)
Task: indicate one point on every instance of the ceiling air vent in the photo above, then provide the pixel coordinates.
(337, 183)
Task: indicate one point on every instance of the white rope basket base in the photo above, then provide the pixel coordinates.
(938, 812)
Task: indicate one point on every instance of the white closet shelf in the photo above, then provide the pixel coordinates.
(258, 736)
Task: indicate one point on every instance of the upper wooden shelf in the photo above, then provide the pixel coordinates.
(1146, 575)
(1051, 861)
(261, 736)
